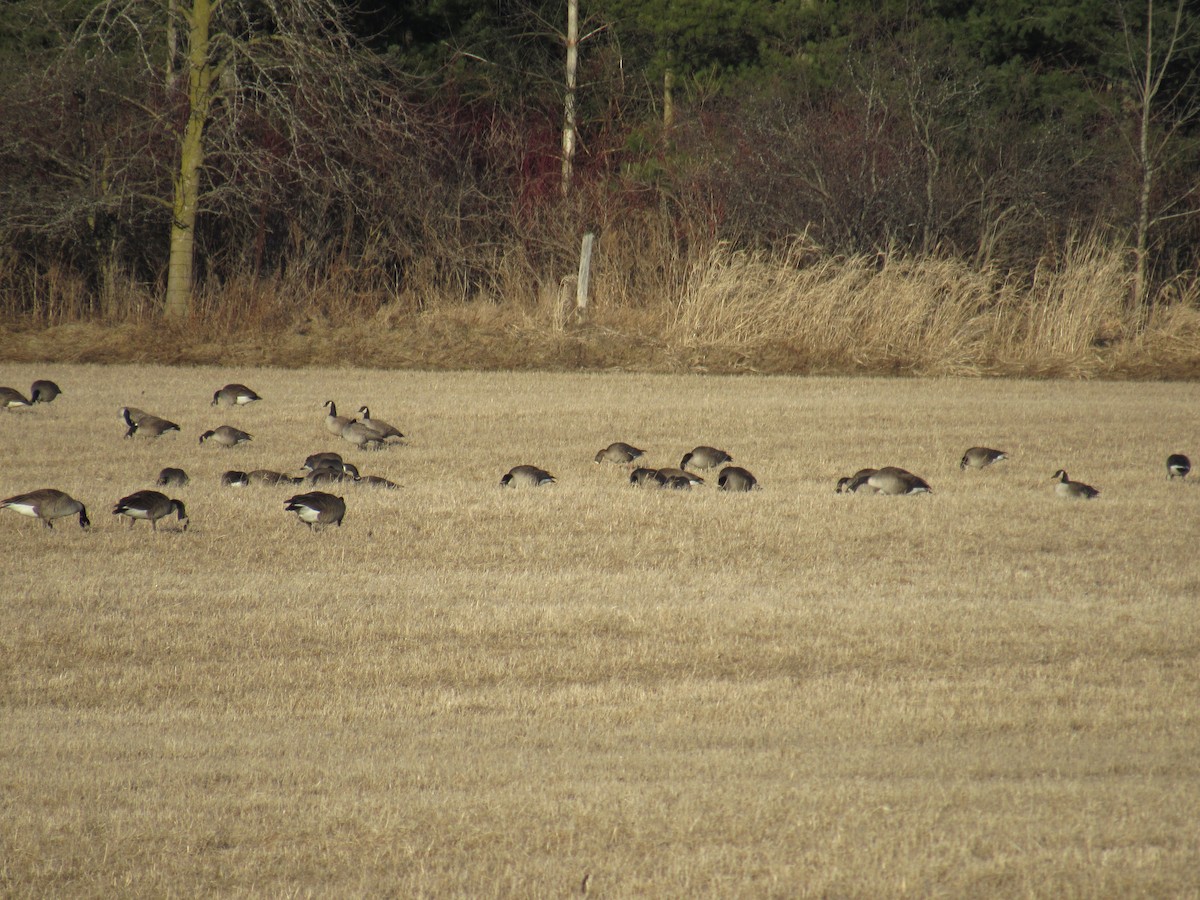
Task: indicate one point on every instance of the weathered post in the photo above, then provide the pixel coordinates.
(585, 270)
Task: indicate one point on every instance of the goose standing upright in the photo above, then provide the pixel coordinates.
(333, 422)
(378, 425)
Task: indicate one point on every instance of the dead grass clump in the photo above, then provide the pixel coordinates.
(899, 314)
(1068, 314)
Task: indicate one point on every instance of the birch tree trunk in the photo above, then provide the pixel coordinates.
(569, 124)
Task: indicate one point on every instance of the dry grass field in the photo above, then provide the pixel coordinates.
(468, 691)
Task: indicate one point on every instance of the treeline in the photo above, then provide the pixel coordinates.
(410, 154)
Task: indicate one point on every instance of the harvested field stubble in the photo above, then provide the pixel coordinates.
(465, 690)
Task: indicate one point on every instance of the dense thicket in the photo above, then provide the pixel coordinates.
(995, 132)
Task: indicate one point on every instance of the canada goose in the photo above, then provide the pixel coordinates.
(362, 436)
(1074, 489)
(526, 476)
(131, 415)
(316, 460)
(378, 482)
(317, 508)
(383, 428)
(857, 482)
(235, 478)
(671, 472)
(43, 391)
(11, 398)
(981, 458)
(234, 395)
(339, 468)
(895, 481)
(226, 436)
(705, 458)
(146, 425)
(643, 477)
(620, 453)
(172, 476)
(1178, 465)
(328, 475)
(735, 478)
(152, 506)
(47, 504)
(333, 422)
(271, 477)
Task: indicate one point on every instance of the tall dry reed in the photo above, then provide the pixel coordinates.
(657, 302)
(927, 315)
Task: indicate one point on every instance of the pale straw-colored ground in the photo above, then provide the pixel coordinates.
(478, 692)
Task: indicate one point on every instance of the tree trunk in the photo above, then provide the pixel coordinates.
(1141, 249)
(668, 99)
(201, 76)
(569, 124)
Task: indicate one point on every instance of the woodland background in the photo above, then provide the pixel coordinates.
(801, 185)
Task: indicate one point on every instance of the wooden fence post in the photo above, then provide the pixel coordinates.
(585, 271)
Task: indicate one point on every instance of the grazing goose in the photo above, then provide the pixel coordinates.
(670, 473)
(338, 468)
(895, 482)
(328, 475)
(317, 508)
(226, 436)
(620, 453)
(857, 482)
(11, 398)
(383, 428)
(333, 422)
(735, 478)
(316, 460)
(235, 478)
(131, 415)
(643, 477)
(47, 504)
(678, 483)
(151, 506)
(981, 458)
(43, 391)
(378, 482)
(234, 395)
(705, 458)
(1076, 490)
(362, 436)
(171, 476)
(526, 476)
(146, 424)
(271, 477)
(1178, 465)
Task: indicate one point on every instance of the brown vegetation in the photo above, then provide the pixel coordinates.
(469, 691)
(726, 311)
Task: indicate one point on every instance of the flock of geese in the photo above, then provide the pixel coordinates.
(317, 508)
